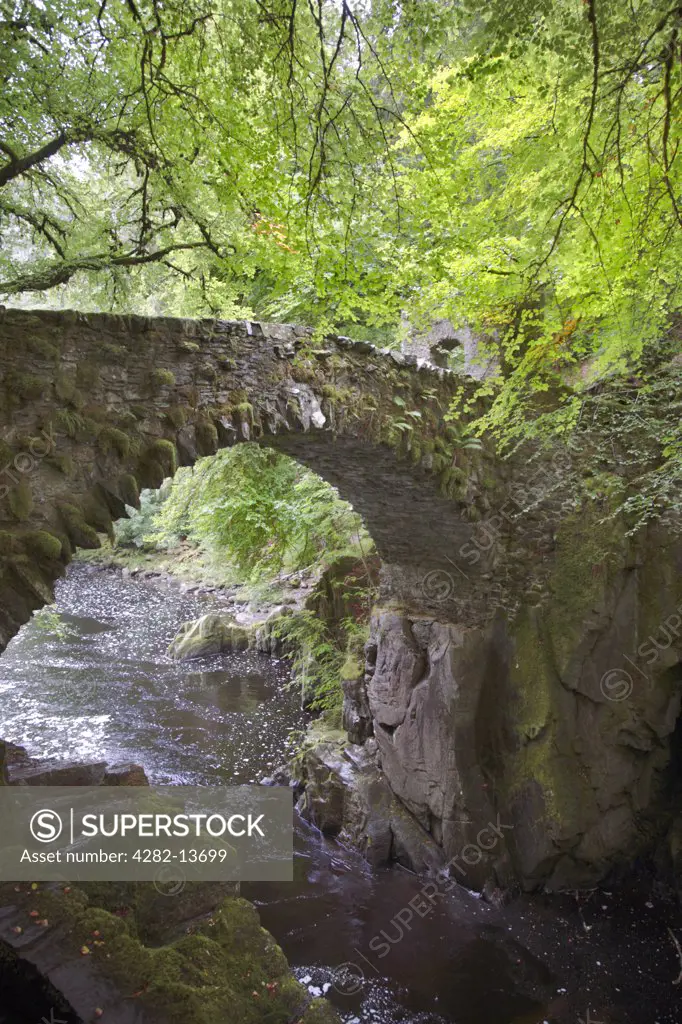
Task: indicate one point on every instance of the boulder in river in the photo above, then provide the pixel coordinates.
(212, 634)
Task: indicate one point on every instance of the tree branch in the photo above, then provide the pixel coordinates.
(59, 273)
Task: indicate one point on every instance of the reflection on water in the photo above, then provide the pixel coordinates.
(91, 679)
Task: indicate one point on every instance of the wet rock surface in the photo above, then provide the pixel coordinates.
(466, 960)
(552, 722)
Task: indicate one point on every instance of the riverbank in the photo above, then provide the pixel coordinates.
(99, 681)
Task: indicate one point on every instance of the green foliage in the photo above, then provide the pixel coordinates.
(259, 510)
(320, 657)
(251, 507)
(515, 169)
(137, 530)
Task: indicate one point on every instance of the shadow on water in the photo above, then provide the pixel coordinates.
(91, 680)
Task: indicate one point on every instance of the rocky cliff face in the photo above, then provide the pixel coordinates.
(539, 744)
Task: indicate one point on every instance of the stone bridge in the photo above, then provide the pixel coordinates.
(95, 407)
(499, 682)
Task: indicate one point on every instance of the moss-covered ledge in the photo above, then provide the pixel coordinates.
(224, 966)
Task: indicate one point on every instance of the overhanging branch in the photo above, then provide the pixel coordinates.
(59, 273)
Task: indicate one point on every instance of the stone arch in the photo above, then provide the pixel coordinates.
(494, 633)
(94, 407)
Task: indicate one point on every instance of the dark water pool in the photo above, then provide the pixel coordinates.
(90, 679)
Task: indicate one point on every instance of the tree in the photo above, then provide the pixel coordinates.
(209, 137)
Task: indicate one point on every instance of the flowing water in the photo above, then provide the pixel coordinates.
(91, 680)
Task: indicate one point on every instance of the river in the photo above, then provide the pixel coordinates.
(90, 680)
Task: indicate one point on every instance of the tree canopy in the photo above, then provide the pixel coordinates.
(513, 167)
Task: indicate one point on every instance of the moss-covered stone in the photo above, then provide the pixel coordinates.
(587, 552)
(212, 634)
(87, 375)
(176, 416)
(67, 550)
(129, 490)
(162, 378)
(6, 455)
(42, 347)
(228, 968)
(44, 545)
(31, 578)
(206, 436)
(111, 439)
(96, 514)
(20, 500)
(77, 529)
(9, 543)
(28, 386)
(61, 462)
(163, 452)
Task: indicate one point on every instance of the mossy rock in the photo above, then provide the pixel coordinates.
(6, 455)
(206, 436)
(244, 411)
(87, 375)
(150, 472)
(96, 514)
(108, 353)
(25, 385)
(164, 453)
(97, 412)
(111, 439)
(237, 397)
(45, 546)
(207, 371)
(227, 969)
(10, 543)
(20, 500)
(42, 347)
(128, 490)
(176, 416)
(67, 550)
(162, 378)
(63, 463)
(31, 578)
(77, 529)
(212, 634)
(76, 399)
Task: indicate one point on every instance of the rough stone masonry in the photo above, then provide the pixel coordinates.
(483, 692)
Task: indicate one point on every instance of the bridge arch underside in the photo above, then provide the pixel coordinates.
(480, 715)
(93, 408)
